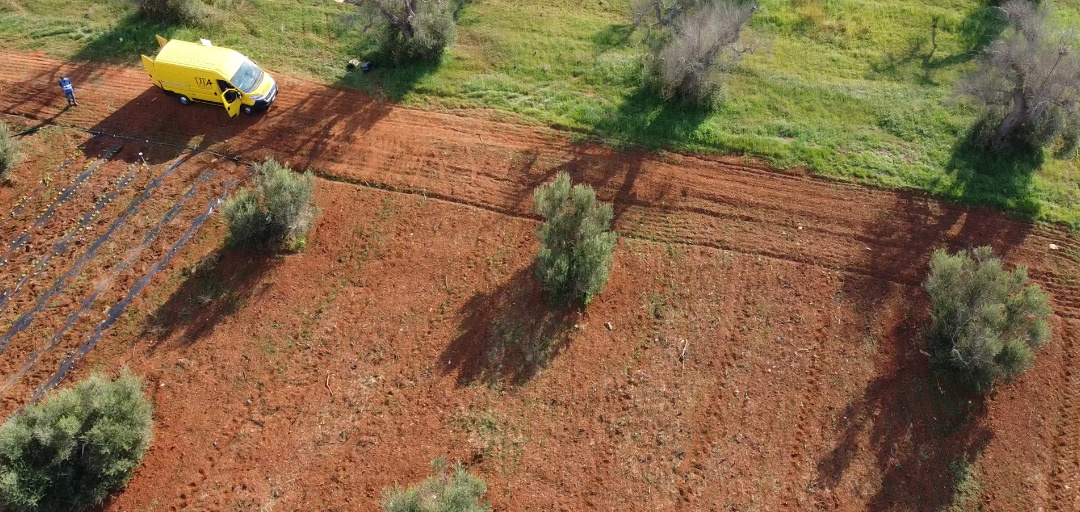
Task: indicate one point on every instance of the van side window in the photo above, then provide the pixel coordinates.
(224, 86)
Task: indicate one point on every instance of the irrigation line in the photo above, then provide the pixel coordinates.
(118, 269)
(27, 318)
(20, 205)
(183, 147)
(118, 309)
(62, 245)
(64, 196)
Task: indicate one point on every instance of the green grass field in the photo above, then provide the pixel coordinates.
(852, 89)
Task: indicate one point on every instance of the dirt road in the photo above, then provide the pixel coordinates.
(693, 202)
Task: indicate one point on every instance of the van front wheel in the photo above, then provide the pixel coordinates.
(247, 110)
(184, 100)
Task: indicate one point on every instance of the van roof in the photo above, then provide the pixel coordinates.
(195, 55)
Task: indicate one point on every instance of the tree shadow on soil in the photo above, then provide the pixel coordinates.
(922, 431)
(613, 173)
(508, 334)
(217, 286)
(923, 428)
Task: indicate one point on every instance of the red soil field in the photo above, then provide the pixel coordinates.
(758, 346)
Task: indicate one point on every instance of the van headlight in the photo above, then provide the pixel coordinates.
(257, 97)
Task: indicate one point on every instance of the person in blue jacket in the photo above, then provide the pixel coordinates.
(69, 91)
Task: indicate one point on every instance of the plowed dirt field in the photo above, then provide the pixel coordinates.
(757, 347)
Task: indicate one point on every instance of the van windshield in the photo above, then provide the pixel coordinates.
(248, 77)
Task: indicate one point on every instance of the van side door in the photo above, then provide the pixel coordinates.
(232, 99)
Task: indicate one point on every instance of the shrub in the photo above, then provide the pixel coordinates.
(9, 152)
(278, 212)
(187, 12)
(576, 241)
(415, 30)
(1029, 83)
(246, 219)
(444, 492)
(75, 448)
(986, 321)
(692, 43)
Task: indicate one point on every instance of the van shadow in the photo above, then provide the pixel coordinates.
(216, 287)
(155, 117)
(508, 334)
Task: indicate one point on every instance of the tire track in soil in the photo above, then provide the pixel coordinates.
(1065, 483)
(719, 202)
(744, 207)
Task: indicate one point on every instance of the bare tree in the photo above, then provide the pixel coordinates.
(660, 13)
(1029, 82)
(702, 39)
(417, 29)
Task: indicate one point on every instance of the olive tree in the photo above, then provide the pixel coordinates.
(9, 152)
(73, 450)
(576, 240)
(986, 322)
(276, 213)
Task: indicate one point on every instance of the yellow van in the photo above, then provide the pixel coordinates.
(210, 74)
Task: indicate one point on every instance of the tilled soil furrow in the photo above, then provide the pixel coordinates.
(1065, 480)
(114, 272)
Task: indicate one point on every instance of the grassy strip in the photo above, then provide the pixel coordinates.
(860, 90)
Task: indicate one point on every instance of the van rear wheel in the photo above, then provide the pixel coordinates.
(184, 100)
